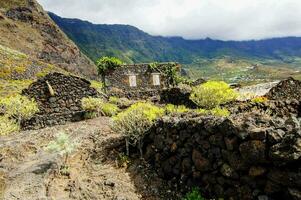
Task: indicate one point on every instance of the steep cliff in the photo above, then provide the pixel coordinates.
(26, 27)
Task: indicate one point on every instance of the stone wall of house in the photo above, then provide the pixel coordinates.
(64, 105)
(118, 80)
(247, 156)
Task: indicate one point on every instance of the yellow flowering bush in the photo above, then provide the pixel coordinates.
(19, 107)
(98, 106)
(212, 94)
(259, 99)
(217, 111)
(7, 126)
(135, 121)
(171, 109)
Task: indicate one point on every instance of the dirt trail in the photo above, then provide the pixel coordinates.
(28, 172)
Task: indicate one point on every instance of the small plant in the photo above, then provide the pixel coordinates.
(114, 100)
(134, 122)
(98, 106)
(259, 99)
(195, 194)
(64, 147)
(109, 109)
(212, 94)
(19, 107)
(122, 160)
(220, 112)
(92, 104)
(172, 109)
(97, 85)
(7, 126)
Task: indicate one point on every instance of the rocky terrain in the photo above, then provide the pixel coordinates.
(29, 172)
(26, 27)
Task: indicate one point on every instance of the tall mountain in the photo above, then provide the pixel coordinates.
(134, 45)
(26, 27)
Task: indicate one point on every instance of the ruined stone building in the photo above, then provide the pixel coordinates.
(140, 79)
(59, 99)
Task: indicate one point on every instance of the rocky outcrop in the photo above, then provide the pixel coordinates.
(26, 27)
(248, 156)
(59, 99)
(286, 89)
(177, 96)
(272, 107)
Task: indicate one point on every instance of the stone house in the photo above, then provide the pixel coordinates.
(59, 99)
(136, 79)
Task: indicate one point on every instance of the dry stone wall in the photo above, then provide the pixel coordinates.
(63, 105)
(249, 156)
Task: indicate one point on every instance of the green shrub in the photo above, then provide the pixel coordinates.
(171, 109)
(195, 194)
(97, 85)
(135, 121)
(19, 107)
(109, 109)
(259, 99)
(220, 112)
(212, 94)
(114, 100)
(92, 104)
(64, 147)
(98, 106)
(7, 126)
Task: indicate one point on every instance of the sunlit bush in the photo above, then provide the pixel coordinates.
(7, 126)
(114, 100)
(92, 104)
(109, 109)
(19, 107)
(259, 99)
(98, 106)
(135, 121)
(171, 109)
(212, 94)
(220, 112)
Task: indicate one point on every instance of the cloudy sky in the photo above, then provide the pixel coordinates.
(191, 19)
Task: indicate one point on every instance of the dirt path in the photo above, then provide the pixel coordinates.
(28, 172)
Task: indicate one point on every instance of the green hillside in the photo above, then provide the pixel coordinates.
(229, 60)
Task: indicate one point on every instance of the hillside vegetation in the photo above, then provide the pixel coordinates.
(231, 61)
(26, 27)
(18, 71)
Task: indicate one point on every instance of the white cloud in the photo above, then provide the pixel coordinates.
(192, 19)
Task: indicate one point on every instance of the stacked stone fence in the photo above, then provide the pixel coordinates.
(246, 156)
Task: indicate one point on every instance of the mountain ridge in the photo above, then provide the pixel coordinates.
(134, 45)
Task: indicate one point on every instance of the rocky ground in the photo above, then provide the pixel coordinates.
(29, 172)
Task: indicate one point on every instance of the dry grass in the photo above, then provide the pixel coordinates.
(7, 4)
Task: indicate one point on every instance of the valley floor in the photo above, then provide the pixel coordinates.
(29, 172)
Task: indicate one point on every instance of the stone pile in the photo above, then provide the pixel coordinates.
(59, 99)
(177, 96)
(249, 156)
(272, 107)
(287, 89)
